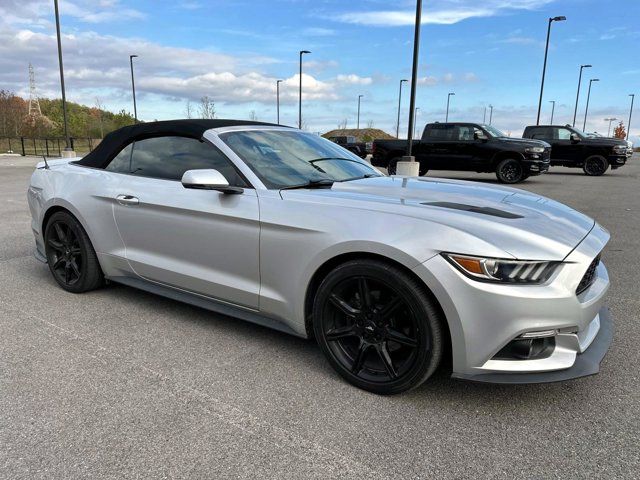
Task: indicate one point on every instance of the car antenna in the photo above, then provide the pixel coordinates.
(46, 165)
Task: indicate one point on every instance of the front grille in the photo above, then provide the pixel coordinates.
(589, 276)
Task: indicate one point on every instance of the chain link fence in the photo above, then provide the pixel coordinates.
(51, 147)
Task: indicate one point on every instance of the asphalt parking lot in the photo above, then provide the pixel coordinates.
(118, 383)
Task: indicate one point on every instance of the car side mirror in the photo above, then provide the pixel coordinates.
(575, 137)
(208, 179)
(480, 136)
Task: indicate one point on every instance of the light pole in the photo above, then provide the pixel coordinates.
(633, 96)
(399, 103)
(575, 110)
(544, 66)
(490, 114)
(553, 108)
(302, 52)
(414, 79)
(484, 117)
(446, 119)
(358, 122)
(586, 110)
(416, 122)
(609, 129)
(278, 82)
(133, 89)
(64, 98)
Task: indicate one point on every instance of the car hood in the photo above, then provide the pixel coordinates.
(524, 142)
(603, 142)
(519, 223)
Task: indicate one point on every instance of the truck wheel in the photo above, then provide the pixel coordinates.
(392, 167)
(423, 171)
(510, 170)
(595, 166)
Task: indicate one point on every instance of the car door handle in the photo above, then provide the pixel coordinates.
(127, 200)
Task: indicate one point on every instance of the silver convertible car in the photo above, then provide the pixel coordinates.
(390, 275)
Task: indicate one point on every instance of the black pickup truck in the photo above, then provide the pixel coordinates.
(350, 143)
(469, 147)
(572, 148)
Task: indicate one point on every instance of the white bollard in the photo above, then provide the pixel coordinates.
(408, 167)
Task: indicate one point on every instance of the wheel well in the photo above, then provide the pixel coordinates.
(498, 157)
(51, 211)
(329, 265)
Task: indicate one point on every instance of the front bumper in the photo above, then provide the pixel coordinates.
(484, 318)
(617, 160)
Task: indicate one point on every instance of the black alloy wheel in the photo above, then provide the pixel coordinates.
(70, 255)
(595, 166)
(377, 326)
(510, 171)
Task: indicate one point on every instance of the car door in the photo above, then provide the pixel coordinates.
(201, 241)
(442, 145)
(562, 147)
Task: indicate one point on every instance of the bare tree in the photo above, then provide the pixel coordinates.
(370, 124)
(100, 108)
(207, 108)
(188, 110)
(342, 125)
(252, 116)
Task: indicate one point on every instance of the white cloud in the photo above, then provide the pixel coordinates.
(353, 79)
(444, 12)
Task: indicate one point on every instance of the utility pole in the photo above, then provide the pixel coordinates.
(278, 82)
(133, 88)
(358, 122)
(586, 109)
(544, 67)
(64, 98)
(553, 108)
(633, 96)
(446, 119)
(302, 52)
(575, 110)
(399, 103)
(490, 114)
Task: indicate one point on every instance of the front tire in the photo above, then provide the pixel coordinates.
(70, 255)
(595, 166)
(378, 327)
(510, 171)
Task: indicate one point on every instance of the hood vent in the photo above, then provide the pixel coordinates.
(494, 212)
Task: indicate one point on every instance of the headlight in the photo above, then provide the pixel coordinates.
(503, 270)
(534, 149)
(620, 148)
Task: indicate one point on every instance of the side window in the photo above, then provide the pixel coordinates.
(562, 134)
(121, 163)
(169, 157)
(465, 133)
(541, 133)
(440, 132)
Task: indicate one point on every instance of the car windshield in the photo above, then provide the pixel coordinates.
(494, 131)
(287, 158)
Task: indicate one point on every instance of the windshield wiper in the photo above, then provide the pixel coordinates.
(322, 159)
(366, 175)
(323, 182)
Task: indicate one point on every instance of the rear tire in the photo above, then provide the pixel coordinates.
(392, 168)
(70, 255)
(595, 166)
(378, 327)
(510, 171)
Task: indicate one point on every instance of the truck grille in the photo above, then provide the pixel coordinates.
(589, 276)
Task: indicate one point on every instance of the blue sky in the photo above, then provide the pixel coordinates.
(487, 52)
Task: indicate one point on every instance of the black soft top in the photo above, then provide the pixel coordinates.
(115, 141)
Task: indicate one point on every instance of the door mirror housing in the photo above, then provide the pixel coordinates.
(208, 179)
(575, 138)
(480, 136)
